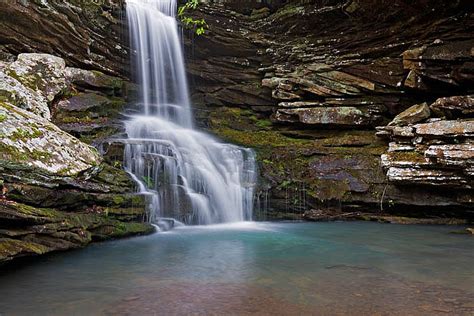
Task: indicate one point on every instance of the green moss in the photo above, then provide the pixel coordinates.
(3, 117)
(116, 229)
(257, 138)
(412, 156)
(326, 189)
(102, 133)
(10, 248)
(69, 230)
(75, 119)
(22, 135)
(288, 10)
(263, 123)
(41, 155)
(108, 81)
(118, 199)
(13, 74)
(289, 158)
(12, 153)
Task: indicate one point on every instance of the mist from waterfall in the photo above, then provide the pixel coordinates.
(187, 174)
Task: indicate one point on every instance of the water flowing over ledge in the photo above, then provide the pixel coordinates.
(189, 175)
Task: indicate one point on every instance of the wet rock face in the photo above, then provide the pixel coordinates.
(312, 92)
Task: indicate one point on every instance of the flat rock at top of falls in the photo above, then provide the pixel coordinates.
(33, 141)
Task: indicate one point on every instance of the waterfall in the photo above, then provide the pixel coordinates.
(188, 175)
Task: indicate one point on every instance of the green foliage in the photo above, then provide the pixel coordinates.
(148, 182)
(199, 25)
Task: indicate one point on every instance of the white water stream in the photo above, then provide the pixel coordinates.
(189, 175)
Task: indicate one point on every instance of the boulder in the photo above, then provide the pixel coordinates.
(12, 91)
(30, 140)
(416, 113)
(42, 73)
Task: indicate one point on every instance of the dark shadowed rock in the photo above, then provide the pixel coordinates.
(88, 34)
(456, 106)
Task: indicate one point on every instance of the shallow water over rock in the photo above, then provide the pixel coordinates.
(255, 268)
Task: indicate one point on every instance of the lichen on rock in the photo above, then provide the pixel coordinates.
(14, 92)
(34, 141)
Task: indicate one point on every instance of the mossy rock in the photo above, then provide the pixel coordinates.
(12, 248)
(27, 230)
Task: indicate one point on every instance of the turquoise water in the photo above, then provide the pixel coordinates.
(254, 268)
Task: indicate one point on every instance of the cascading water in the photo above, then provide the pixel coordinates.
(189, 175)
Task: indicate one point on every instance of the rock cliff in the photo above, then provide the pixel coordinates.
(308, 83)
(87, 33)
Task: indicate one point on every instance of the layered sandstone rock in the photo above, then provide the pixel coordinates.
(327, 74)
(57, 192)
(436, 152)
(88, 34)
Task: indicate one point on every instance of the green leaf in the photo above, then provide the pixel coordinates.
(148, 182)
(199, 25)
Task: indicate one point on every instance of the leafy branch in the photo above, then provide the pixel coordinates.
(148, 182)
(199, 25)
